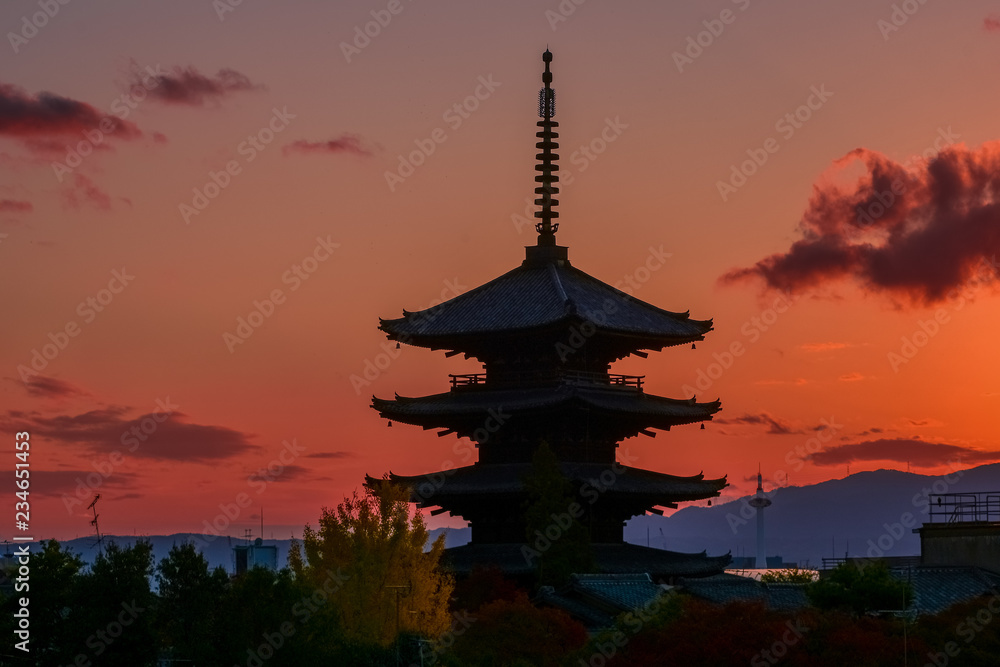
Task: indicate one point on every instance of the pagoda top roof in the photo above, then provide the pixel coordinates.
(544, 291)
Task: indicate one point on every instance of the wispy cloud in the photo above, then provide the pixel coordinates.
(189, 87)
(345, 143)
(916, 452)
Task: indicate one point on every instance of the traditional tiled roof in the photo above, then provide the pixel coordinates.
(507, 479)
(937, 588)
(609, 559)
(538, 295)
(725, 588)
(426, 410)
(596, 599)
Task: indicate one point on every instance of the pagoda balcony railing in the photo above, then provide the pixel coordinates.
(969, 507)
(526, 379)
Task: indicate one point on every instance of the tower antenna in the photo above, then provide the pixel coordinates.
(547, 159)
(93, 522)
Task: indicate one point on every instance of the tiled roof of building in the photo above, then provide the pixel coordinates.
(937, 588)
(596, 599)
(507, 478)
(725, 588)
(540, 294)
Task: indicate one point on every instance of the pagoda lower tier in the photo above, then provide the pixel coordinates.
(581, 421)
(492, 496)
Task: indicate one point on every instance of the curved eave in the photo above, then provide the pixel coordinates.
(634, 485)
(474, 404)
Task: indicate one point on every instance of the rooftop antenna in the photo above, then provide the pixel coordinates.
(93, 522)
(548, 177)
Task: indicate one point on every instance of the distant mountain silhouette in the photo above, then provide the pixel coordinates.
(803, 521)
(801, 524)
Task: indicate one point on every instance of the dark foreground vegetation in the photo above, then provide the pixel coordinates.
(361, 590)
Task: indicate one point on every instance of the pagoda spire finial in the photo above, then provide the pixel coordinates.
(549, 176)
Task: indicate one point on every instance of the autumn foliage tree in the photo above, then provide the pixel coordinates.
(368, 556)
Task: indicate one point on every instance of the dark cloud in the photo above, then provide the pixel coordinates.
(284, 474)
(84, 192)
(916, 452)
(67, 483)
(49, 387)
(156, 435)
(15, 206)
(188, 86)
(27, 117)
(774, 425)
(917, 233)
(345, 143)
(330, 455)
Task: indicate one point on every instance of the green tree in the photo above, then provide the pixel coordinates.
(791, 575)
(190, 598)
(860, 589)
(557, 542)
(118, 604)
(57, 623)
(368, 558)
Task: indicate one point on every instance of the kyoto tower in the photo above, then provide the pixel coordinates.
(759, 502)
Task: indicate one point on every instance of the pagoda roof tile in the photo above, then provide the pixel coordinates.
(541, 294)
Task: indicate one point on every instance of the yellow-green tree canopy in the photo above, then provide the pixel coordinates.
(368, 556)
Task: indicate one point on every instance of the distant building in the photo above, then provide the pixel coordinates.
(247, 556)
(547, 334)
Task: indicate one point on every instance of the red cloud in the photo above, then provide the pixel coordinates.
(186, 85)
(27, 117)
(919, 453)
(85, 191)
(920, 233)
(991, 23)
(15, 206)
(345, 143)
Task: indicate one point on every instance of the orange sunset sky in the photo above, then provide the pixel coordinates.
(819, 178)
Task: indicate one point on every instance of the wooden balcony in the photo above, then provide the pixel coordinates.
(513, 380)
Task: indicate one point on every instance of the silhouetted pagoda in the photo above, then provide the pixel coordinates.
(546, 334)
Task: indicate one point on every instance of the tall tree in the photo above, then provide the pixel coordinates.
(368, 556)
(557, 543)
(119, 605)
(190, 599)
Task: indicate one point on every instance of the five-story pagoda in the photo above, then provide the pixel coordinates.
(547, 334)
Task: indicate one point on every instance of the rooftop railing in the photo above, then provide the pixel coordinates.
(969, 507)
(564, 376)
